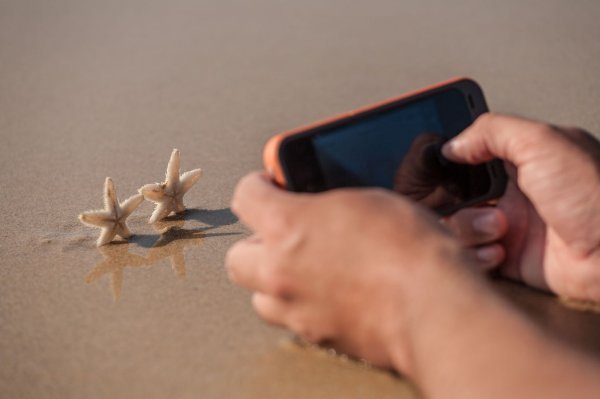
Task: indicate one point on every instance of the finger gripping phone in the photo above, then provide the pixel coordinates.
(395, 145)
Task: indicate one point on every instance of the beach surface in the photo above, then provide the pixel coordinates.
(94, 89)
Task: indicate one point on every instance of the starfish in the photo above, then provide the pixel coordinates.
(112, 219)
(168, 195)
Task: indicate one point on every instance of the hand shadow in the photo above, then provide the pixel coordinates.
(211, 217)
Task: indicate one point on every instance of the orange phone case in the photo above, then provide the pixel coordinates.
(271, 151)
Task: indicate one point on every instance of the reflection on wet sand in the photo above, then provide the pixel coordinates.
(173, 239)
(170, 242)
(116, 258)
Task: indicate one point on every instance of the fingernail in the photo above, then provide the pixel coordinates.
(449, 148)
(486, 224)
(486, 254)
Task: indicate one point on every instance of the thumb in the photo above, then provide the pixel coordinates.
(496, 136)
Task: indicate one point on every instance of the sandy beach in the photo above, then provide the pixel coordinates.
(96, 89)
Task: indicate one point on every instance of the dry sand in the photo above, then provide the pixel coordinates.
(95, 89)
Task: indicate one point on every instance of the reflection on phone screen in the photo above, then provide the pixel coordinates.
(400, 149)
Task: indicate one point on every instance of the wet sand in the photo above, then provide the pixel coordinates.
(96, 89)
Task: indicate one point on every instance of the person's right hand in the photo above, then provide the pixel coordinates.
(551, 205)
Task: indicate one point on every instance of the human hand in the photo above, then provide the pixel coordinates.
(551, 205)
(345, 267)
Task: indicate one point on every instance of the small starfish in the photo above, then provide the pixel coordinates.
(168, 196)
(112, 219)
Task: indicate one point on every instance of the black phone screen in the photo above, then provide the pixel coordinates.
(397, 148)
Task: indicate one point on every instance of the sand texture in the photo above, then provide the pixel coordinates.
(90, 89)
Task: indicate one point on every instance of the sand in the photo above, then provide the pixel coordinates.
(95, 89)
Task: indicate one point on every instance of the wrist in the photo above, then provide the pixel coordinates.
(442, 288)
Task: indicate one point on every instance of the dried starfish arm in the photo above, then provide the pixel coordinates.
(154, 192)
(179, 205)
(106, 235)
(130, 204)
(188, 179)
(102, 219)
(172, 178)
(111, 204)
(161, 211)
(123, 230)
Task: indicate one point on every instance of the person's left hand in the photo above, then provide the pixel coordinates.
(346, 267)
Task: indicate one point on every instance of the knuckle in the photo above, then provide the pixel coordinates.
(365, 198)
(306, 330)
(232, 255)
(340, 196)
(232, 263)
(486, 118)
(277, 282)
(528, 145)
(281, 222)
(379, 195)
(456, 225)
(264, 311)
(239, 250)
(485, 121)
(237, 196)
(542, 131)
(475, 226)
(243, 187)
(352, 205)
(343, 200)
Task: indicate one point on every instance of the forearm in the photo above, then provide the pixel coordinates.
(466, 342)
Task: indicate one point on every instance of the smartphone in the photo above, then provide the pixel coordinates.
(395, 145)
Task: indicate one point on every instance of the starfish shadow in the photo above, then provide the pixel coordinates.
(212, 217)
